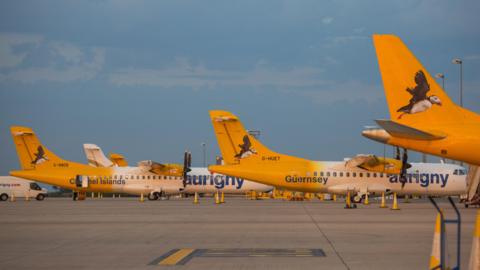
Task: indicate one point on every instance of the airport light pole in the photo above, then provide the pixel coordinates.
(458, 61)
(441, 76)
(204, 148)
(438, 76)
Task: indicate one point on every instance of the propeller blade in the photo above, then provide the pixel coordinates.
(186, 166)
(405, 165)
(397, 153)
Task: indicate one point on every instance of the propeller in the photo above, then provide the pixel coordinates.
(405, 166)
(187, 163)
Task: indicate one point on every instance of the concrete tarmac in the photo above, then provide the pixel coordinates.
(126, 234)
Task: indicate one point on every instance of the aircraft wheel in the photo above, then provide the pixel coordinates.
(40, 197)
(153, 196)
(3, 197)
(357, 199)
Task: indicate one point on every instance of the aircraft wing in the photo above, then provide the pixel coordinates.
(402, 131)
(161, 169)
(375, 164)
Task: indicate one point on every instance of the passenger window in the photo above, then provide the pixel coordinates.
(314, 173)
(354, 174)
(347, 174)
(321, 173)
(381, 175)
(143, 177)
(334, 174)
(455, 172)
(368, 174)
(360, 175)
(341, 174)
(328, 173)
(374, 174)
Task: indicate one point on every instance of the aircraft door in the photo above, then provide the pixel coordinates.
(81, 181)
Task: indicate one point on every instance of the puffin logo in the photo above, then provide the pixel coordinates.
(40, 156)
(246, 149)
(419, 102)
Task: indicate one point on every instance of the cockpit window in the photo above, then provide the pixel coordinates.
(35, 186)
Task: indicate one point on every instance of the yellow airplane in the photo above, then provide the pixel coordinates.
(422, 117)
(40, 164)
(246, 157)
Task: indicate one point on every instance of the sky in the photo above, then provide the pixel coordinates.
(139, 77)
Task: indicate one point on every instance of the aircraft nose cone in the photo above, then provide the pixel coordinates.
(379, 135)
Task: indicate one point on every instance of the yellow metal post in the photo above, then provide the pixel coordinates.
(366, 202)
(142, 199)
(222, 199)
(334, 197)
(217, 198)
(348, 202)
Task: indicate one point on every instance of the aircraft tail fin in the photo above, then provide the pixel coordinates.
(413, 96)
(31, 153)
(95, 156)
(236, 144)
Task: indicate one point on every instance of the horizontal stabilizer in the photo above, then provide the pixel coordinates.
(398, 130)
(373, 163)
(161, 169)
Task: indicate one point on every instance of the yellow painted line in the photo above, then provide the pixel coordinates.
(177, 256)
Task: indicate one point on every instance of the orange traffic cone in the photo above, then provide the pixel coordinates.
(195, 199)
(475, 253)
(383, 205)
(395, 202)
(436, 245)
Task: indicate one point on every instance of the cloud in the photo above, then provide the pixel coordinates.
(54, 61)
(327, 20)
(348, 91)
(9, 42)
(183, 74)
(472, 57)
